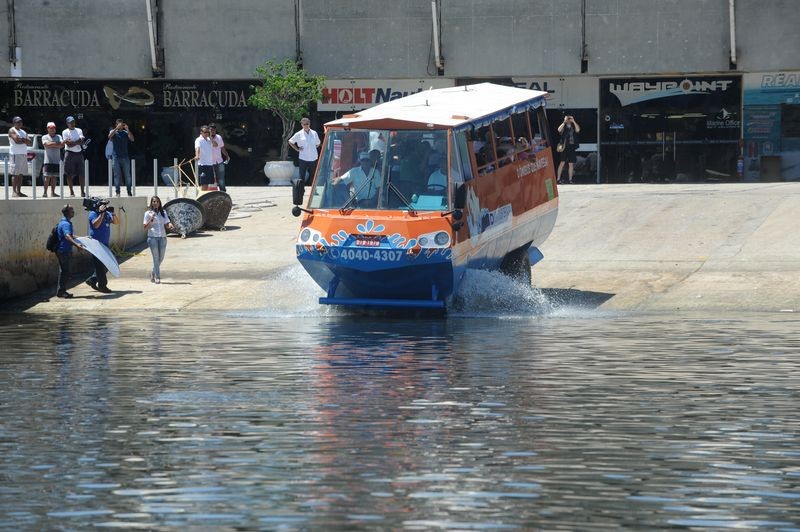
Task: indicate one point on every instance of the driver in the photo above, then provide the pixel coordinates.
(357, 176)
(437, 181)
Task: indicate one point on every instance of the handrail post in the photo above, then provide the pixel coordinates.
(110, 178)
(155, 177)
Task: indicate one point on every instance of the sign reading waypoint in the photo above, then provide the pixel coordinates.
(357, 94)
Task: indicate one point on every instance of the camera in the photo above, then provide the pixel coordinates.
(94, 204)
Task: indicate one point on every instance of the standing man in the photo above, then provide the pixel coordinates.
(204, 154)
(18, 152)
(100, 229)
(220, 156)
(52, 143)
(306, 142)
(73, 161)
(120, 136)
(66, 241)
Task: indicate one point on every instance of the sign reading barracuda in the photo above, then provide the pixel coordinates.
(122, 94)
(357, 94)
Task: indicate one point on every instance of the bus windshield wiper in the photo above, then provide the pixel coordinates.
(402, 198)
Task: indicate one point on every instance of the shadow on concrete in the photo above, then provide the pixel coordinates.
(570, 297)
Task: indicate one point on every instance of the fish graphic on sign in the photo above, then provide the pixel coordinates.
(136, 95)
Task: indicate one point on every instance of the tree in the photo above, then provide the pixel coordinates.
(286, 90)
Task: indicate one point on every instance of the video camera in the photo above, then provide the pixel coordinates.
(94, 204)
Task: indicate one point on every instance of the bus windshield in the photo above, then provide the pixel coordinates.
(383, 169)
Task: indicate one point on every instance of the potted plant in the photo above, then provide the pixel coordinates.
(285, 89)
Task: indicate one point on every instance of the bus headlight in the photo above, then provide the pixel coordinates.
(438, 239)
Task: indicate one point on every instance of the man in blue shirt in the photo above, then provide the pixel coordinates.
(100, 229)
(64, 250)
(120, 136)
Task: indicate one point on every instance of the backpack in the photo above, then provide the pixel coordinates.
(52, 240)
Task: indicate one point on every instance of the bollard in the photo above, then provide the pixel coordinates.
(5, 179)
(133, 176)
(155, 177)
(33, 178)
(110, 178)
(175, 176)
(61, 178)
(86, 177)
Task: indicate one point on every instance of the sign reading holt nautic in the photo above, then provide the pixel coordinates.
(126, 94)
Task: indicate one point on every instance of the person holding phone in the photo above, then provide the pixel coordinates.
(120, 136)
(156, 223)
(568, 130)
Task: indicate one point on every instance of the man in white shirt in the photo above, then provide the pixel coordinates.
(357, 176)
(220, 157)
(73, 160)
(306, 142)
(18, 151)
(204, 154)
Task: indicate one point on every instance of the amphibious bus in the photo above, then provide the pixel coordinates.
(412, 194)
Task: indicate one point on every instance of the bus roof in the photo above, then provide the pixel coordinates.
(468, 106)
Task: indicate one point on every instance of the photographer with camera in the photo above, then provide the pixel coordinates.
(101, 216)
(120, 136)
(567, 146)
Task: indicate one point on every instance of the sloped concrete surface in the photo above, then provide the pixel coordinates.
(639, 247)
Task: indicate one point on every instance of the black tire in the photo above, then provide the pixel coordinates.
(517, 265)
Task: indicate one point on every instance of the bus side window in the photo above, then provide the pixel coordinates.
(463, 148)
(538, 129)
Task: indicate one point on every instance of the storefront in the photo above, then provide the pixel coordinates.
(772, 126)
(165, 117)
(670, 129)
(577, 97)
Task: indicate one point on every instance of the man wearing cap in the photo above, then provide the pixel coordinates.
(66, 241)
(306, 142)
(73, 161)
(357, 176)
(18, 152)
(52, 143)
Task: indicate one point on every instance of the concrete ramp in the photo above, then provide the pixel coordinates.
(677, 247)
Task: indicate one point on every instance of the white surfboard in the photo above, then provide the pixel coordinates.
(96, 248)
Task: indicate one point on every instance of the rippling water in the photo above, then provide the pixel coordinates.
(556, 420)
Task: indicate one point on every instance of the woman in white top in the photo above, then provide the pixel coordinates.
(156, 223)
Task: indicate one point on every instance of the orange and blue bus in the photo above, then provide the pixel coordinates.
(412, 194)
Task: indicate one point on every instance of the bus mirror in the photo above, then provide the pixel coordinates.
(460, 197)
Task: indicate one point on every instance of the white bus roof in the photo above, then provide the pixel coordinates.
(450, 107)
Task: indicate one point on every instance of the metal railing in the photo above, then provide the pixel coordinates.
(87, 179)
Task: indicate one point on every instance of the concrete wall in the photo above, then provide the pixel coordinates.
(25, 264)
(219, 39)
(215, 39)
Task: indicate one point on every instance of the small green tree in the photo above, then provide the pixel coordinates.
(286, 90)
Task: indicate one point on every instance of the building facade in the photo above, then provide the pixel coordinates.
(694, 90)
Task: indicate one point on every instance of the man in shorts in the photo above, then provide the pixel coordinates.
(73, 162)
(18, 151)
(52, 143)
(204, 154)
